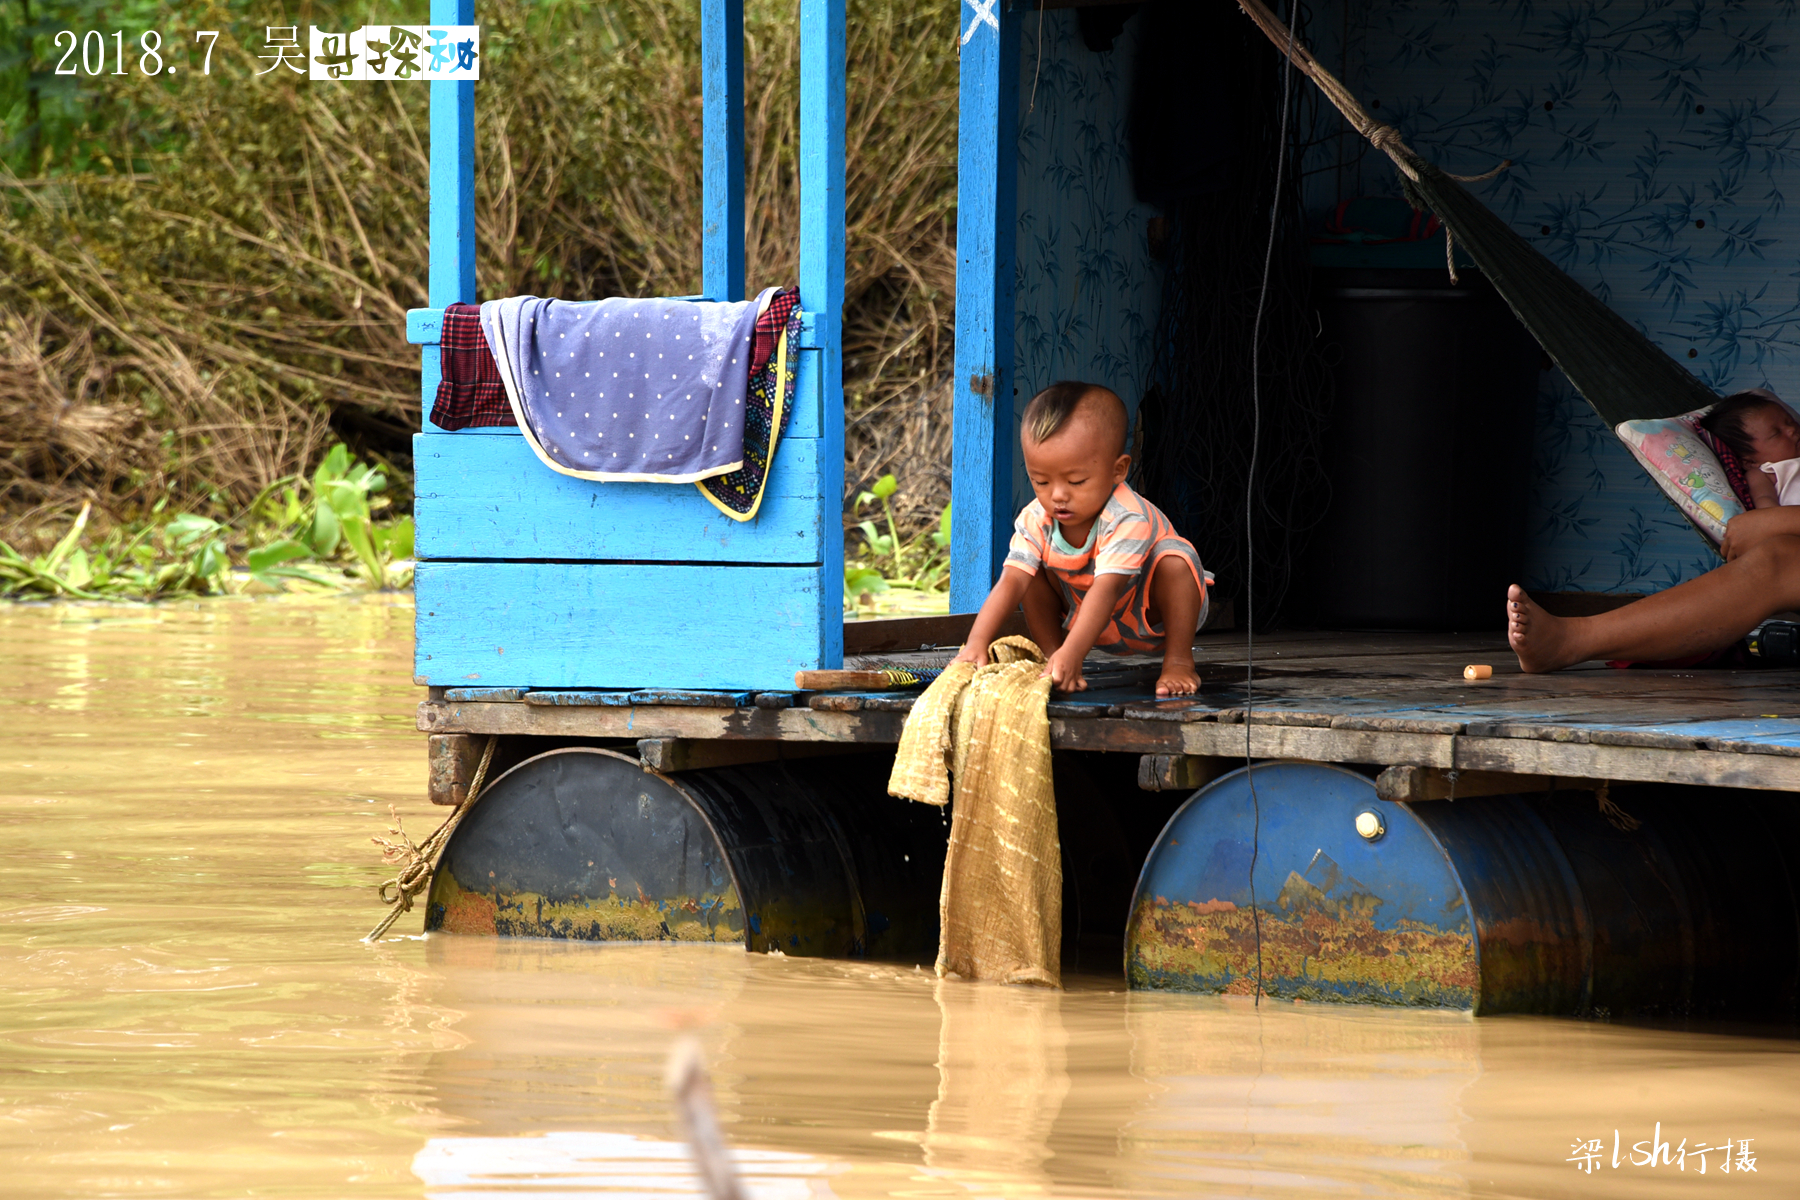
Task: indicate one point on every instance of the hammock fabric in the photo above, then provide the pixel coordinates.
(1622, 373)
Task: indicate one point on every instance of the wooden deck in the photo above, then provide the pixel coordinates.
(1377, 699)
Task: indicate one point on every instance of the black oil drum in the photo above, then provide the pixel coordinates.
(808, 856)
(1429, 451)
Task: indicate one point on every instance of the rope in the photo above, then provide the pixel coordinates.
(1384, 138)
(1615, 816)
(418, 861)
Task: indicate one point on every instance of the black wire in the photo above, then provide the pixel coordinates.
(1249, 495)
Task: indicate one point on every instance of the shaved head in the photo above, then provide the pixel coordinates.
(1096, 412)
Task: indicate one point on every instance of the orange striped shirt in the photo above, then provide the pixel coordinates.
(1129, 537)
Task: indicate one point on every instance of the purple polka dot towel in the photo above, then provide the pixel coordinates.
(645, 390)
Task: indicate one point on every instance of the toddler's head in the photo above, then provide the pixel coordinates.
(1073, 436)
(1756, 426)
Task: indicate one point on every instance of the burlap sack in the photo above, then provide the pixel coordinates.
(1001, 904)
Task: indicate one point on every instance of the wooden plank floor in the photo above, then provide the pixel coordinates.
(1381, 699)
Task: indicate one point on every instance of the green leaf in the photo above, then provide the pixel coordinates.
(334, 467)
(77, 574)
(62, 548)
(347, 498)
(858, 580)
(189, 528)
(327, 531)
(356, 532)
(400, 538)
(211, 560)
(274, 554)
(884, 487)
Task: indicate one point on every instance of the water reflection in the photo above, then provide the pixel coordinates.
(186, 797)
(1272, 1097)
(1003, 1073)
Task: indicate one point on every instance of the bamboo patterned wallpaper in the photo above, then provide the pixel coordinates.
(1654, 158)
(1656, 148)
(1088, 290)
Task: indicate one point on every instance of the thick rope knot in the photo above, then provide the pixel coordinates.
(418, 860)
(1382, 136)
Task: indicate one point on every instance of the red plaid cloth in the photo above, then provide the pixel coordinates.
(470, 392)
(769, 326)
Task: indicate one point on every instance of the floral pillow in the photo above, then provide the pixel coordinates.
(1701, 476)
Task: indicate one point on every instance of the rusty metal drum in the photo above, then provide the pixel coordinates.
(1539, 903)
(806, 857)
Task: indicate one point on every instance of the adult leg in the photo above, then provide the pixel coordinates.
(1702, 614)
(1043, 605)
(1174, 603)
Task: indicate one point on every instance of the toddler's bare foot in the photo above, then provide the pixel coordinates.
(1542, 642)
(1178, 679)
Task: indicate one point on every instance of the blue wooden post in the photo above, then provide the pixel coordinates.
(822, 284)
(451, 277)
(722, 174)
(986, 221)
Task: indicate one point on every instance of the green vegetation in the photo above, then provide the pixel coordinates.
(326, 532)
(204, 277)
(887, 563)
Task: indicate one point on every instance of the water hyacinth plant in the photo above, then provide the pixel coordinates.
(323, 532)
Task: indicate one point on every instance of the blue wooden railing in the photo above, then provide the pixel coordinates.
(527, 578)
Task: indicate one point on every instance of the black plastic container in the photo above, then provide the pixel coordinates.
(1429, 454)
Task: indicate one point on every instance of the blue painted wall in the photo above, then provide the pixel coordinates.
(1088, 290)
(1654, 147)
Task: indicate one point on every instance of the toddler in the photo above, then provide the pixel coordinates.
(1093, 564)
(1761, 431)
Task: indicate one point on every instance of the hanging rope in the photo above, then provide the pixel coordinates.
(418, 861)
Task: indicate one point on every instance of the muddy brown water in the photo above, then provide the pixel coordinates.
(186, 798)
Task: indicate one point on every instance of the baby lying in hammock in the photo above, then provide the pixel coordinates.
(1763, 434)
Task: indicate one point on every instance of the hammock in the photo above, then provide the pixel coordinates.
(1622, 373)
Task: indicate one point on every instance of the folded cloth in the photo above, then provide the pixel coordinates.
(738, 494)
(470, 392)
(645, 390)
(1000, 908)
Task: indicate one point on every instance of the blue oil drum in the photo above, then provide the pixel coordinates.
(807, 857)
(1494, 904)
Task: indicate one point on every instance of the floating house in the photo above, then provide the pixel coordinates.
(1340, 814)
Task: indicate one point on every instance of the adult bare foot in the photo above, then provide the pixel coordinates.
(1178, 678)
(1542, 642)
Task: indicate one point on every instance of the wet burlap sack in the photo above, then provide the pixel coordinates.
(1001, 904)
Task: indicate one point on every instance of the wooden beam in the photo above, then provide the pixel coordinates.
(986, 229)
(689, 754)
(722, 161)
(1181, 772)
(450, 275)
(1514, 756)
(660, 721)
(451, 760)
(1434, 783)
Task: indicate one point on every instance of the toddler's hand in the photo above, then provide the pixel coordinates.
(1064, 670)
(972, 652)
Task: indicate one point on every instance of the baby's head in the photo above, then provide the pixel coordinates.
(1073, 435)
(1756, 426)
